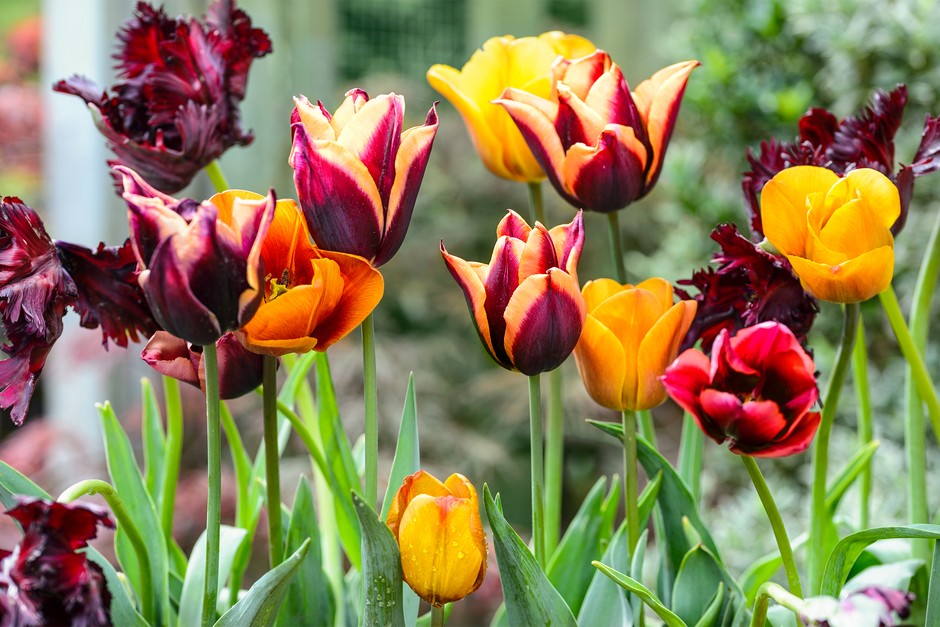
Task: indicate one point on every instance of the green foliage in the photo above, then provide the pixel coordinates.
(381, 570)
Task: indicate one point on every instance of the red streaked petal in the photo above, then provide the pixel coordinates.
(373, 134)
(609, 176)
(315, 119)
(759, 424)
(685, 379)
(470, 281)
(569, 240)
(580, 74)
(721, 408)
(513, 225)
(610, 97)
(171, 356)
(501, 282)
(576, 122)
(796, 442)
(538, 255)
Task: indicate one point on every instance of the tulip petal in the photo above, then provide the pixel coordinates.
(608, 176)
(410, 164)
(340, 200)
(757, 424)
(363, 290)
(538, 255)
(797, 441)
(661, 288)
(501, 282)
(854, 281)
(658, 349)
(544, 319)
(684, 380)
(569, 241)
(854, 229)
(597, 291)
(576, 123)
(282, 325)
(513, 225)
(421, 482)
(580, 73)
(723, 409)
(170, 356)
(471, 282)
(879, 193)
(601, 363)
(315, 119)
(355, 99)
(610, 97)
(784, 205)
(374, 135)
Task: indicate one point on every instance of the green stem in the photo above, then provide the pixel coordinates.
(214, 504)
(271, 460)
(242, 507)
(437, 616)
(616, 249)
(538, 472)
(925, 388)
(306, 436)
(865, 434)
(126, 523)
(554, 460)
(630, 481)
(174, 451)
(536, 206)
(214, 171)
(776, 523)
(691, 449)
(372, 410)
(815, 560)
(783, 598)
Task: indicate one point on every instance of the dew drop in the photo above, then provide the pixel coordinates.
(460, 555)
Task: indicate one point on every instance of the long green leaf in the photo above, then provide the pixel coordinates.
(632, 585)
(694, 589)
(191, 597)
(127, 481)
(259, 606)
(154, 440)
(848, 474)
(710, 616)
(605, 603)
(529, 596)
(933, 592)
(381, 570)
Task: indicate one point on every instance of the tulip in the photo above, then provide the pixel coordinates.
(526, 303)
(357, 174)
(601, 146)
(312, 298)
(504, 62)
(835, 232)
(631, 334)
(755, 392)
(202, 271)
(174, 109)
(440, 536)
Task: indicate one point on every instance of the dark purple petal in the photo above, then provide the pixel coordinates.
(927, 158)
(866, 140)
(172, 357)
(611, 179)
(500, 283)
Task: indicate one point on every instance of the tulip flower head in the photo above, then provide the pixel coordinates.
(202, 264)
(835, 232)
(502, 62)
(175, 107)
(755, 392)
(630, 335)
(312, 297)
(440, 537)
(601, 146)
(357, 174)
(525, 303)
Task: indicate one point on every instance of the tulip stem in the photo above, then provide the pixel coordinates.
(616, 249)
(215, 174)
(214, 505)
(776, 523)
(372, 410)
(538, 472)
(554, 460)
(865, 435)
(126, 524)
(174, 450)
(769, 591)
(271, 459)
(691, 449)
(644, 422)
(536, 206)
(630, 481)
(437, 616)
(819, 518)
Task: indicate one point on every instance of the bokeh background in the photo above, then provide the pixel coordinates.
(764, 62)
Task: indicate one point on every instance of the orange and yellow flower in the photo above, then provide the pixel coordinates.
(312, 297)
(632, 333)
(835, 232)
(504, 62)
(440, 536)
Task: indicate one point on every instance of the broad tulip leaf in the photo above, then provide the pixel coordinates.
(605, 603)
(632, 585)
(125, 476)
(154, 441)
(194, 585)
(636, 570)
(694, 589)
(710, 617)
(381, 570)
(933, 592)
(529, 596)
(259, 606)
(309, 593)
(407, 461)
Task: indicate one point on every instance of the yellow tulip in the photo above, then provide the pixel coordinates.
(525, 63)
(632, 333)
(440, 537)
(836, 232)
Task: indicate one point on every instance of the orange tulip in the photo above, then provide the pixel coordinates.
(631, 334)
(504, 62)
(440, 536)
(835, 232)
(312, 297)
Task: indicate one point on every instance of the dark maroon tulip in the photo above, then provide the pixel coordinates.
(202, 272)
(175, 106)
(45, 580)
(755, 392)
(240, 370)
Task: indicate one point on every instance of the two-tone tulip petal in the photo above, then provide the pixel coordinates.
(440, 536)
(202, 271)
(525, 302)
(502, 62)
(630, 335)
(312, 297)
(601, 146)
(357, 173)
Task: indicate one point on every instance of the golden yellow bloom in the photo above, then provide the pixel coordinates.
(440, 536)
(632, 333)
(504, 62)
(836, 232)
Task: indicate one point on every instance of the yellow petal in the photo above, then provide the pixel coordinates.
(311, 116)
(597, 291)
(854, 229)
(661, 288)
(659, 349)
(879, 193)
(601, 363)
(784, 205)
(854, 281)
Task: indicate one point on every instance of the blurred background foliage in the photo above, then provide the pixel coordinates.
(764, 63)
